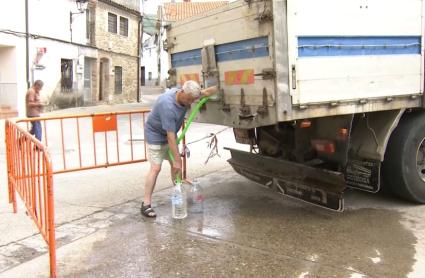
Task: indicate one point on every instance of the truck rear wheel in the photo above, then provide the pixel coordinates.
(404, 162)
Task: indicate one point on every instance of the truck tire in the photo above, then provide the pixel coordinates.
(404, 162)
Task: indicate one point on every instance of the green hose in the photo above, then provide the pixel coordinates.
(189, 121)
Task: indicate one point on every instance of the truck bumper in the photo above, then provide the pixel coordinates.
(315, 186)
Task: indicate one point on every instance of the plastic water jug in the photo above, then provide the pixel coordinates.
(196, 198)
(179, 202)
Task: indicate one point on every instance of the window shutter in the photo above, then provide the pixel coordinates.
(118, 80)
(112, 23)
(123, 26)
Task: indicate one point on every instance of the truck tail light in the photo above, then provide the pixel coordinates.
(323, 146)
(305, 124)
(343, 134)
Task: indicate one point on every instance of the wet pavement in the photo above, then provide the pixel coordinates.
(244, 231)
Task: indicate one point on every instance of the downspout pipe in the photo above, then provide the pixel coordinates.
(27, 46)
(139, 41)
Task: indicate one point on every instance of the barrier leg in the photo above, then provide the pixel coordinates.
(184, 174)
(15, 207)
(51, 235)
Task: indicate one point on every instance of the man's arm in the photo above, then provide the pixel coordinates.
(209, 91)
(31, 100)
(172, 144)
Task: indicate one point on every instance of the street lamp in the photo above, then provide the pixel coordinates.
(81, 7)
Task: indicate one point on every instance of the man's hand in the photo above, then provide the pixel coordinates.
(177, 166)
(172, 144)
(209, 91)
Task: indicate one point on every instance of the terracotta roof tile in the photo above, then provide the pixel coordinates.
(179, 11)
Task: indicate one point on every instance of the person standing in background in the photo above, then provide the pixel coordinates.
(34, 107)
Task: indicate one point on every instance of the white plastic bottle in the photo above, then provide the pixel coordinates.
(179, 202)
(196, 198)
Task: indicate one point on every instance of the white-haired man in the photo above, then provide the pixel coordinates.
(163, 123)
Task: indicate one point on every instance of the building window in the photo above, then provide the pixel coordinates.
(87, 24)
(112, 23)
(66, 75)
(118, 80)
(123, 26)
(87, 73)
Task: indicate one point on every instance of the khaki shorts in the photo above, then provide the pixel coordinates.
(157, 153)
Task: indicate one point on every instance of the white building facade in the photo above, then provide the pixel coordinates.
(57, 35)
(65, 44)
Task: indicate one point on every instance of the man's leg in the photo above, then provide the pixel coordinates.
(32, 129)
(150, 183)
(37, 130)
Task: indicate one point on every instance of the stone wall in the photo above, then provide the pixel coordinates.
(117, 50)
(115, 42)
(129, 77)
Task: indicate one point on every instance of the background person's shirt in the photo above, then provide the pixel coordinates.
(32, 96)
(166, 115)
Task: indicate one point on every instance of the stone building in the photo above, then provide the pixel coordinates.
(116, 27)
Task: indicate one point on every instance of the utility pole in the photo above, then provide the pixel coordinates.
(27, 46)
(139, 51)
(158, 81)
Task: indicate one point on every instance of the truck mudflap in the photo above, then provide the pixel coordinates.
(315, 186)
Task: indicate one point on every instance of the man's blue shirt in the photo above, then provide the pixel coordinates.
(166, 115)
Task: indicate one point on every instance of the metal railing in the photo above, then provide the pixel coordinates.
(29, 172)
(85, 142)
(69, 144)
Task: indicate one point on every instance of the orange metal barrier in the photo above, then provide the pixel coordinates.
(29, 171)
(91, 141)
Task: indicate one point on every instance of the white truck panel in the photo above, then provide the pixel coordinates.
(359, 67)
(355, 17)
(348, 78)
(355, 89)
(227, 24)
(324, 57)
(347, 50)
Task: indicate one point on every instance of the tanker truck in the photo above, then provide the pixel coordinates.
(328, 93)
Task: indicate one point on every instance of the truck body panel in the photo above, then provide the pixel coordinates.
(324, 58)
(325, 92)
(354, 50)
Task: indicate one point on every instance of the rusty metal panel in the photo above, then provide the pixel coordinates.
(244, 136)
